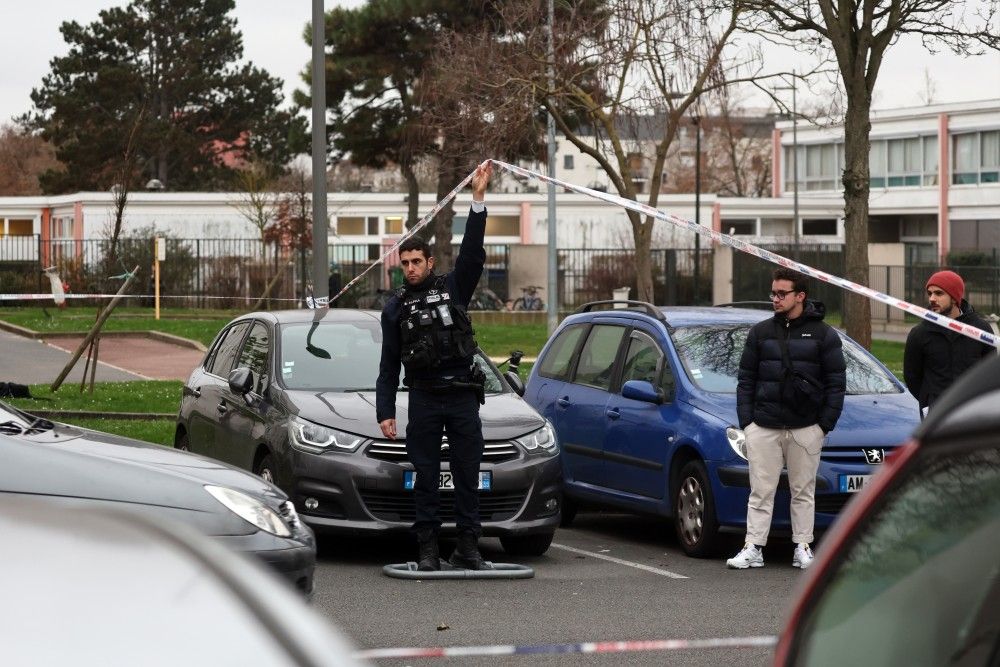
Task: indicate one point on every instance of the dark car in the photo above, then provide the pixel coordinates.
(99, 587)
(291, 396)
(643, 400)
(910, 575)
(76, 467)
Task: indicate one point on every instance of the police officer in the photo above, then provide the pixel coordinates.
(425, 329)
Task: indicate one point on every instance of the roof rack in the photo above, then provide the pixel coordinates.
(762, 305)
(645, 306)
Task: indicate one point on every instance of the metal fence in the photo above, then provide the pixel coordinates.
(592, 275)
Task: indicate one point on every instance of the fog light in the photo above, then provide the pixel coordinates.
(311, 503)
(551, 504)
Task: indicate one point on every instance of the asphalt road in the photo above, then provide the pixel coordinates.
(577, 595)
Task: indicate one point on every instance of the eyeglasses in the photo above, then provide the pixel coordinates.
(780, 294)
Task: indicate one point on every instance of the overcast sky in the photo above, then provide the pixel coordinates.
(272, 33)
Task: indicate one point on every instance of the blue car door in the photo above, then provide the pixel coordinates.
(640, 434)
(581, 405)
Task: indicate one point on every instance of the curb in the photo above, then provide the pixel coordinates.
(155, 335)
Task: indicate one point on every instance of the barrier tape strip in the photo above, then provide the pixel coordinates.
(589, 647)
(49, 297)
(959, 327)
(965, 329)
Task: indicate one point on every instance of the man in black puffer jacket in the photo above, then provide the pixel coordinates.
(790, 393)
(936, 356)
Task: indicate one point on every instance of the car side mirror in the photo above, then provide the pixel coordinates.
(641, 390)
(241, 381)
(515, 382)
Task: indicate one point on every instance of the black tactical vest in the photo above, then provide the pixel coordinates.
(434, 331)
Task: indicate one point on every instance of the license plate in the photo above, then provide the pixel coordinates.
(853, 483)
(446, 481)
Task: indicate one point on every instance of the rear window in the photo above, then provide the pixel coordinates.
(915, 585)
(711, 357)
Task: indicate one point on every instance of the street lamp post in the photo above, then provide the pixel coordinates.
(321, 234)
(552, 312)
(696, 119)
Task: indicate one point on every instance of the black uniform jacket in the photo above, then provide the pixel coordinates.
(936, 356)
(814, 348)
(461, 284)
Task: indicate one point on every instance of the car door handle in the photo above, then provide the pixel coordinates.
(192, 391)
(562, 402)
(222, 408)
(613, 413)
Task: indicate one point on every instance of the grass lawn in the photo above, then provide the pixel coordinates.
(144, 396)
(890, 353)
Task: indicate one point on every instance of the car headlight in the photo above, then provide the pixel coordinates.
(738, 441)
(314, 438)
(544, 439)
(251, 510)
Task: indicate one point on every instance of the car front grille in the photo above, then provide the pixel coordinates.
(496, 451)
(399, 506)
(853, 454)
(832, 503)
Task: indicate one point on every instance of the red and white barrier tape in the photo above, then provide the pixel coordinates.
(965, 329)
(49, 297)
(589, 647)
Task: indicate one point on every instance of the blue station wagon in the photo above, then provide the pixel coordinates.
(643, 400)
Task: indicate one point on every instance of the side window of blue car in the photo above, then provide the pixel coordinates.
(558, 358)
(644, 360)
(597, 358)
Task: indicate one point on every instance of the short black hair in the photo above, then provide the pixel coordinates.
(799, 282)
(416, 243)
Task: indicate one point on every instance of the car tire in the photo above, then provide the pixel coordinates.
(569, 510)
(265, 469)
(695, 522)
(527, 545)
(183, 443)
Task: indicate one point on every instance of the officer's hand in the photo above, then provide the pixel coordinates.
(388, 428)
(480, 180)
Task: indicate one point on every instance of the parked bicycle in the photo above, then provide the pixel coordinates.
(529, 300)
(486, 299)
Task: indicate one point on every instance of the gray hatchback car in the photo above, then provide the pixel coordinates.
(291, 396)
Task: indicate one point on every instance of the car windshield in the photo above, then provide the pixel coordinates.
(16, 422)
(343, 356)
(711, 357)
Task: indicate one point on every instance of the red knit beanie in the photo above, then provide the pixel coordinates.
(950, 282)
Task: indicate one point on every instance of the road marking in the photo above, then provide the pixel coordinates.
(627, 563)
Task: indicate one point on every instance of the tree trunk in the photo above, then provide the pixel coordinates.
(857, 144)
(412, 193)
(642, 233)
(448, 178)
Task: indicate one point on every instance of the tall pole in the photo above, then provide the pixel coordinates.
(795, 167)
(553, 278)
(321, 235)
(697, 205)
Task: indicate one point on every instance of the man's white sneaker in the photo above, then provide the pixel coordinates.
(803, 557)
(750, 556)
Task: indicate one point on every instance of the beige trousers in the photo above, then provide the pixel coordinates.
(769, 450)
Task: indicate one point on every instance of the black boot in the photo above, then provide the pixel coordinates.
(466, 554)
(429, 559)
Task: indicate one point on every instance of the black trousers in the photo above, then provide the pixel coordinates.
(431, 414)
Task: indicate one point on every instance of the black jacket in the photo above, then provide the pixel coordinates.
(936, 356)
(461, 284)
(814, 348)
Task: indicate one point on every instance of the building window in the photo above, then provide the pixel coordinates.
(819, 227)
(567, 161)
(350, 226)
(740, 227)
(820, 166)
(372, 225)
(904, 162)
(503, 225)
(393, 225)
(976, 158)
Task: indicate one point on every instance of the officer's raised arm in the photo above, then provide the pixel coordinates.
(472, 255)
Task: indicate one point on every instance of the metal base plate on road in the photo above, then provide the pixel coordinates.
(447, 571)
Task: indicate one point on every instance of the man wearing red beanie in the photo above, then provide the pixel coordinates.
(936, 356)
